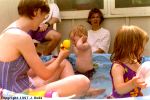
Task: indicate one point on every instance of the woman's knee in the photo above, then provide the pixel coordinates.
(66, 65)
(65, 62)
(57, 36)
(53, 35)
(83, 82)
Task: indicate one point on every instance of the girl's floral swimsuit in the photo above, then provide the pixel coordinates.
(128, 75)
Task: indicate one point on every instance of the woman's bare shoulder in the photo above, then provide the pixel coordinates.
(16, 37)
(17, 34)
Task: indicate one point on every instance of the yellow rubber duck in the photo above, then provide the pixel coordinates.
(65, 44)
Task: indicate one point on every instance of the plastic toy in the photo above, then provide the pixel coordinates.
(65, 44)
(49, 94)
(39, 93)
(144, 72)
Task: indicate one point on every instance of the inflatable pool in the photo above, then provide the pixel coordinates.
(101, 79)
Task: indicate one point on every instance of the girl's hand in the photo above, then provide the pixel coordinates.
(138, 82)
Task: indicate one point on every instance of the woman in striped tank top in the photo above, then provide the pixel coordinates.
(18, 55)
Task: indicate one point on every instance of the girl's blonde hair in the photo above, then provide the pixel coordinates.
(129, 43)
(79, 30)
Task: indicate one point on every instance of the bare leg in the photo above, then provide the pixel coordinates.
(68, 70)
(54, 38)
(95, 92)
(76, 84)
(64, 70)
(69, 84)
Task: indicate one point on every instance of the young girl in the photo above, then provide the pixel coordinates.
(128, 48)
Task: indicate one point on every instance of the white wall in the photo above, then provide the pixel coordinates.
(8, 12)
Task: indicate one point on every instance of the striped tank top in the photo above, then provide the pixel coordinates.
(13, 75)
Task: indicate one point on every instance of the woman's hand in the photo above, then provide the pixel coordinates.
(43, 27)
(64, 53)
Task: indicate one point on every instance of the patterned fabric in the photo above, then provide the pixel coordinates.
(128, 75)
(13, 75)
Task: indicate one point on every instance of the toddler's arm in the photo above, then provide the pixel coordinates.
(82, 43)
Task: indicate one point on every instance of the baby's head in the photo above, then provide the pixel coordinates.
(77, 32)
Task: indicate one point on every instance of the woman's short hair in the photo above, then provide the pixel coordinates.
(27, 7)
(94, 11)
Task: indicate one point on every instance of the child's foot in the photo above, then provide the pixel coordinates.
(95, 92)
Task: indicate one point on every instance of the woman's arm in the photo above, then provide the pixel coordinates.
(32, 74)
(54, 13)
(27, 49)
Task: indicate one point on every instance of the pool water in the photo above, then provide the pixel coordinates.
(101, 79)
